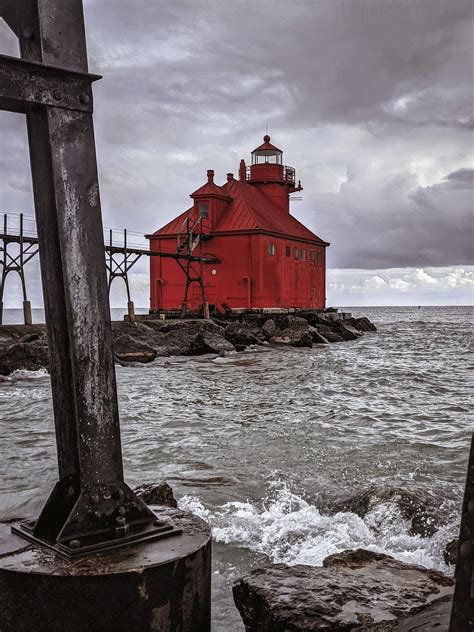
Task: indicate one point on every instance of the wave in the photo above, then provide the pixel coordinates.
(23, 374)
(287, 529)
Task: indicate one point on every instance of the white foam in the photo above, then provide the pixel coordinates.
(287, 529)
(23, 374)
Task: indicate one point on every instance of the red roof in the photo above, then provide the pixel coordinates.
(267, 145)
(210, 189)
(250, 210)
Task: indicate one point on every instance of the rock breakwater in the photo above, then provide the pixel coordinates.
(25, 347)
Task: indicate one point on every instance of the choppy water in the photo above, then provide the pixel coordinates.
(259, 442)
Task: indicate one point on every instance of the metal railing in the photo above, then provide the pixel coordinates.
(288, 174)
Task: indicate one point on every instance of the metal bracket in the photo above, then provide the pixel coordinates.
(99, 543)
(26, 82)
(98, 519)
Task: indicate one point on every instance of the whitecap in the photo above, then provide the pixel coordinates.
(287, 529)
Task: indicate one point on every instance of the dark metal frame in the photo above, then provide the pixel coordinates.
(27, 249)
(90, 507)
(119, 258)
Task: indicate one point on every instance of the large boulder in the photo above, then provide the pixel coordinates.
(354, 590)
(348, 333)
(156, 494)
(317, 337)
(185, 325)
(212, 342)
(420, 508)
(295, 334)
(362, 324)
(129, 349)
(242, 335)
(30, 352)
(329, 333)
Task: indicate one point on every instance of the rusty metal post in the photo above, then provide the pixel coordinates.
(90, 505)
(462, 614)
(90, 510)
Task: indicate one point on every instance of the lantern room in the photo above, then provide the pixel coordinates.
(267, 153)
(267, 167)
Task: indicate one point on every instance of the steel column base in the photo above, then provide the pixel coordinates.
(162, 585)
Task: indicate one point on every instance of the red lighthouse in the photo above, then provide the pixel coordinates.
(245, 250)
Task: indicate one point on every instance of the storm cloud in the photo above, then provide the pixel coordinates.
(370, 100)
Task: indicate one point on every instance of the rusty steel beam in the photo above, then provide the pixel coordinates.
(462, 614)
(90, 507)
(23, 82)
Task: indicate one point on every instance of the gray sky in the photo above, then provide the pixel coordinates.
(371, 101)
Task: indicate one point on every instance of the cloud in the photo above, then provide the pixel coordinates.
(371, 102)
(402, 286)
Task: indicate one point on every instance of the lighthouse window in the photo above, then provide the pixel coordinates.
(320, 256)
(271, 249)
(297, 254)
(311, 256)
(288, 251)
(203, 210)
(303, 254)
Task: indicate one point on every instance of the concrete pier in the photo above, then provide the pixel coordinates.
(158, 586)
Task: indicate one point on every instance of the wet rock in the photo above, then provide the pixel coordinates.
(362, 324)
(328, 333)
(348, 333)
(354, 590)
(317, 337)
(419, 507)
(451, 551)
(243, 334)
(27, 353)
(129, 349)
(269, 328)
(295, 334)
(190, 326)
(137, 330)
(213, 342)
(156, 494)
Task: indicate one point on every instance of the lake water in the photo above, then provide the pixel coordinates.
(259, 442)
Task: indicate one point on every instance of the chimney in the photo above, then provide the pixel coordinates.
(242, 171)
(230, 176)
(210, 176)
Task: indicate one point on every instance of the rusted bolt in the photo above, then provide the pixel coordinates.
(118, 494)
(28, 33)
(94, 499)
(74, 544)
(106, 495)
(120, 520)
(70, 491)
(56, 95)
(84, 98)
(94, 515)
(122, 511)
